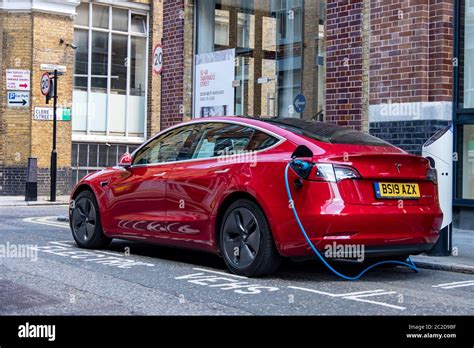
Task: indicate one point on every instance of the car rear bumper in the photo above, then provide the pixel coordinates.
(381, 231)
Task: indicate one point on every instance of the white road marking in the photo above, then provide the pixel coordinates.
(46, 221)
(336, 295)
(455, 284)
(220, 273)
(356, 296)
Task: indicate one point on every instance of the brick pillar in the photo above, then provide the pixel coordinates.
(344, 73)
(172, 88)
(410, 70)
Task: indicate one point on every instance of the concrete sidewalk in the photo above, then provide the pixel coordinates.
(19, 201)
(462, 260)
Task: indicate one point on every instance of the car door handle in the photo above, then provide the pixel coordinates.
(223, 171)
(160, 175)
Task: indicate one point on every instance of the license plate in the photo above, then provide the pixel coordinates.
(390, 190)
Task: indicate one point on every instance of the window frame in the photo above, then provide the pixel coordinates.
(81, 136)
(200, 124)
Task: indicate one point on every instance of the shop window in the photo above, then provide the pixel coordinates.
(110, 72)
(271, 66)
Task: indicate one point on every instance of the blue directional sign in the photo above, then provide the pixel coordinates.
(300, 103)
(18, 99)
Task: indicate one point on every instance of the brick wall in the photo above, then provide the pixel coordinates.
(25, 46)
(410, 51)
(441, 50)
(172, 93)
(344, 62)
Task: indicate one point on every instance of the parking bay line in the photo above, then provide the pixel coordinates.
(455, 284)
(45, 221)
(356, 296)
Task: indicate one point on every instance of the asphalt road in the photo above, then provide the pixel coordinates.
(56, 278)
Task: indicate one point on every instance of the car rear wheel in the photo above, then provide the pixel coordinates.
(85, 222)
(246, 241)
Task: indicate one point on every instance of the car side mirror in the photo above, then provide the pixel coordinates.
(302, 151)
(125, 161)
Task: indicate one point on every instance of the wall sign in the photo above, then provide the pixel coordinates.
(45, 84)
(47, 114)
(214, 84)
(18, 99)
(18, 80)
(158, 59)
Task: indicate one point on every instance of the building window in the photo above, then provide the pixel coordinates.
(110, 74)
(277, 57)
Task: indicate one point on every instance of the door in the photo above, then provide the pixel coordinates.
(137, 197)
(194, 187)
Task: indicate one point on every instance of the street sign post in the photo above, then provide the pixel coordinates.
(300, 103)
(18, 99)
(53, 94)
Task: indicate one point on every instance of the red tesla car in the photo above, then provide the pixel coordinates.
(217, 185)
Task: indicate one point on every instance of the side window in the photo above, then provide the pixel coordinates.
(221, 139)
(261, 141)
(168, 147)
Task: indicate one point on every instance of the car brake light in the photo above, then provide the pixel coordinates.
(432, 175)
(332, 173)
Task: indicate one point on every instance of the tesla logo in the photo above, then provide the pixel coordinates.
(399, 166)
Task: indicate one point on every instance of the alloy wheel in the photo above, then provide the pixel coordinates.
(242, 235)
(84, 219)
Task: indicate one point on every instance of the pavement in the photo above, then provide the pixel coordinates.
(132, 278)
(19, 201)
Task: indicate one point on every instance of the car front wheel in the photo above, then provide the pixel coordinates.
(85, 222)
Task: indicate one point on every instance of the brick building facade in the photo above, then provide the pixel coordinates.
(381, 66)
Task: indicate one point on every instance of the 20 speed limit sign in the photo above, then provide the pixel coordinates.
(158, 59)
(45, 84)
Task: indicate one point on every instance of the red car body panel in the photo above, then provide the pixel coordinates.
(178, 203)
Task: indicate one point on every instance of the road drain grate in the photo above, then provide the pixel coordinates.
(14, 297)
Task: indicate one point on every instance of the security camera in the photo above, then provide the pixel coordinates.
(72, 45)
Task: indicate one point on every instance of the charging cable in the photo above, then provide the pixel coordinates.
(304, 166)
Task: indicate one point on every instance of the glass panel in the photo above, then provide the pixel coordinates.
(79, 111)
(81, 39)
(136, 117)
(138, 66)
(100, 17)
(221, 35)
(467, 58)
(100, 54)
(119, 64)
(119, 19)
(465, 176)
(273, 65)
(222, 140)
(138, 23)
(165, 148)
(82, 17)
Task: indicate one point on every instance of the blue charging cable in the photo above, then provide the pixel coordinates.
(305, 166)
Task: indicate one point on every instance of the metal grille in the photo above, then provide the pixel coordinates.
(88, 158)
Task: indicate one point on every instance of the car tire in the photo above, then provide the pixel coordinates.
(85, 222)
(246, 241)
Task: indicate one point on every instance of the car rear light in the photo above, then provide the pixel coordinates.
(432, 175)
(332, 173)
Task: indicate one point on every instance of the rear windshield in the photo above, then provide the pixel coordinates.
(326, 132)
